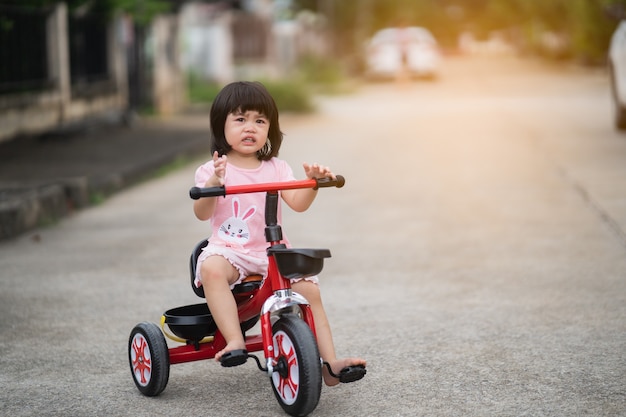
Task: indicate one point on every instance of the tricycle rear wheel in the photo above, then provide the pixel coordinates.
(149, 359)
(297, 377)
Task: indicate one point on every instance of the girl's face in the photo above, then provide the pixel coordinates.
(246, 132)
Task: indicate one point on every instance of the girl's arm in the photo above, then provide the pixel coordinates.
(203, 208)
(301, 199)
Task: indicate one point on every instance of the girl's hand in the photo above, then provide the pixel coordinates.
(317, 171)
(300, 200)
(217, 179)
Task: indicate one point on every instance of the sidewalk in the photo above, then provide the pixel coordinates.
(43, 179)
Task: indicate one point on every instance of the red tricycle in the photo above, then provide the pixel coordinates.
(287, 339)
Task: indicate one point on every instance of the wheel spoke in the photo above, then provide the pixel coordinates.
(142, 363)
(287, 386)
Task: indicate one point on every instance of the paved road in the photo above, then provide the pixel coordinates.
(479, 262)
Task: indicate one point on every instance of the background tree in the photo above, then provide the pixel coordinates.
(142, 11)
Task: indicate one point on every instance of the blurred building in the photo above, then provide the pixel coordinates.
(61, 67)
(254, 39)
(57, 68)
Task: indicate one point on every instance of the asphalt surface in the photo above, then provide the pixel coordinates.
(479, 261)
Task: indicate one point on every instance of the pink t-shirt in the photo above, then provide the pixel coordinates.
(239, 220)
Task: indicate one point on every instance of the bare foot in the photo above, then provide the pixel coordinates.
(337, 365)
(234, 345)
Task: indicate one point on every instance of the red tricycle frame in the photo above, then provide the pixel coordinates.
(287, 337)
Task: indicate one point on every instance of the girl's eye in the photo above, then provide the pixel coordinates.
(261, 121)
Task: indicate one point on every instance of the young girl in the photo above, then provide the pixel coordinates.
(245, 140)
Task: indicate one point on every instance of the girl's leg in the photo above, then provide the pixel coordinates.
(217, 275)
(311, 292)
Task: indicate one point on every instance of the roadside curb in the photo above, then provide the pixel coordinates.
(27, 207)
(31, 203)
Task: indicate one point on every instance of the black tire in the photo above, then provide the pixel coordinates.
(619, 111)
(297, 378)
(149, 359)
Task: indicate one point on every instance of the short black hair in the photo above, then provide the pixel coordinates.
(241, 96)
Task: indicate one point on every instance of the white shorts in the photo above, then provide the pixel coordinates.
(244, 263)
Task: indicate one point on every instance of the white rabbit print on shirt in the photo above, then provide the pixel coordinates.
(235, 229)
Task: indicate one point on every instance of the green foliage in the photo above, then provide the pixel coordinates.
(142, 11)
(201, 91)
(96, 198)
(315, 75)
(172, 166)
(590, 40)
(321, 73)
(290, 95)
(6, 25)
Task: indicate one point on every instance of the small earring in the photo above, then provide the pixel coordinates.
(266, 150)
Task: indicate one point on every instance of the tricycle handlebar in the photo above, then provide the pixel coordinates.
(315, 183)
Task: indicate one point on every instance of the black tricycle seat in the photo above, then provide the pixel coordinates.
(292, 264)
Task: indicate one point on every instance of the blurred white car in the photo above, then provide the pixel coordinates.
(617, 72)
(413, 50)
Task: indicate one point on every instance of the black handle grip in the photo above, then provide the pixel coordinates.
(197, 192)
(329, 182)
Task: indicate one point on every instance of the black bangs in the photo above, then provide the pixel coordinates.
(254, 97)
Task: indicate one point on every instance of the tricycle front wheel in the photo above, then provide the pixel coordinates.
(297, 377)
(149, 359)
